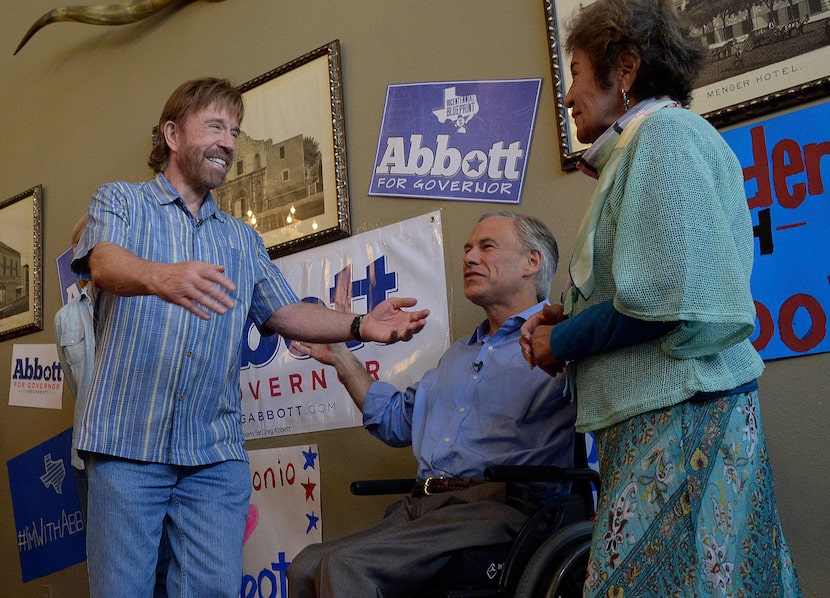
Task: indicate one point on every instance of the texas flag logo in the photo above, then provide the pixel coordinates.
(457, 109)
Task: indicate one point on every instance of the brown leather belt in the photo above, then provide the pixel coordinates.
(431, 486)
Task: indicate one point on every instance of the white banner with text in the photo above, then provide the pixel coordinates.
(285, 393)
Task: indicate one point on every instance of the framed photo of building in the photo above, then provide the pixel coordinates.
(21, 264)
(289, 180)
(760, 56)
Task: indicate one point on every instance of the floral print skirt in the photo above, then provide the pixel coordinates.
(687, 506)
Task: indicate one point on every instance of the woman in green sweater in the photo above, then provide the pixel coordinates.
(655, 328)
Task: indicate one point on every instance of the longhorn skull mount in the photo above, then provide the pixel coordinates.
(103, 14)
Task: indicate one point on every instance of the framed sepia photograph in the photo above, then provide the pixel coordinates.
(289, 181)
(21, 264)
(761, 56)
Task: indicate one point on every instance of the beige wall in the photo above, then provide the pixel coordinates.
(78, 104)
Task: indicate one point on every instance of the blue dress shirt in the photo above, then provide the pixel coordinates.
(481, 405)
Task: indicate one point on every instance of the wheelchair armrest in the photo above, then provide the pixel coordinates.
(539, 473)
(378, 487)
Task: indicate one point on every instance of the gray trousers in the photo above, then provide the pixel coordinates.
(400, 554)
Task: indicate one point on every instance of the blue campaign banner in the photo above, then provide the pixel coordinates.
(782, 162)
(457, 140)
(47, 512)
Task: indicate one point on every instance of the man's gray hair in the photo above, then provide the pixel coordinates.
(534, 234)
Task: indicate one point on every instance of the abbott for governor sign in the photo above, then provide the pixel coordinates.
(461, 140)
(282, 391)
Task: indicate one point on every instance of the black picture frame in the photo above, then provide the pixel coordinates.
(290, 179)
(749, 71)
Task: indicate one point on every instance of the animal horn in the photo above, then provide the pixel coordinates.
(108, 14)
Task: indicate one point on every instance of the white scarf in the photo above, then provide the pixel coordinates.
(601, 161)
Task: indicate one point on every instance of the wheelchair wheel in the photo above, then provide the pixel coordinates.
(557, 569)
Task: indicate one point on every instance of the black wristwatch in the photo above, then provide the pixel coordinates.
(356, 327)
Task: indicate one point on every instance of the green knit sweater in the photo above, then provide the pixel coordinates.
(674, 242)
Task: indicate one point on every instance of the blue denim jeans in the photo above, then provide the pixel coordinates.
(202, 510)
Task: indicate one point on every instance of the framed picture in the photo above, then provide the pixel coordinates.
(289, 180)
(21, 264)
(761, 56)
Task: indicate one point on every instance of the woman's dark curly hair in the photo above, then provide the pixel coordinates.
(190, 97)
(670, 60)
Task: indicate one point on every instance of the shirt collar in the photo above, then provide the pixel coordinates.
(482, 332)
(166, 193)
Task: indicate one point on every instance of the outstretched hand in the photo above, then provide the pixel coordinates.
(323, 352)
(388, 323)
(350, 371)
(201, 288)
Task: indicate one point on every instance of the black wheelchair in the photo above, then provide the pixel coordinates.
(548, 558)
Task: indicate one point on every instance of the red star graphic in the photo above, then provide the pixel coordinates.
(309, 489)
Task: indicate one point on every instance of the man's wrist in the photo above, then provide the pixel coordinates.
(356, 323)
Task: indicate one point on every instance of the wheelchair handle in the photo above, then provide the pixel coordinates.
(539, 473)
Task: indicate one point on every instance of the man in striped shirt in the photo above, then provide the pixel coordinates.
(177, 280)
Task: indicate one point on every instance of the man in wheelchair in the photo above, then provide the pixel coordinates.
(480, 406)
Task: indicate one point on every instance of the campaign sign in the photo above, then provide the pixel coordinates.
(37, 377)
(284, 392)
(460, 140)
(47, 511)
(782, 162)
(285, 516)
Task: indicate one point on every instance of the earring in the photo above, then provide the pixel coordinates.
(625, 99)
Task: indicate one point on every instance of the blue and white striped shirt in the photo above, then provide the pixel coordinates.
(165, 387)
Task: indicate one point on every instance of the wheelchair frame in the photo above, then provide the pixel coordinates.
(549, 556)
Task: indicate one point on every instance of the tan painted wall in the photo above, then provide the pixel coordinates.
(78, 104)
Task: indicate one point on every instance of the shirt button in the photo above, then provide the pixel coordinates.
(190, 353)
(181, 397)
(461, 410)
(490, 348)
(447, 439)
(475, 376)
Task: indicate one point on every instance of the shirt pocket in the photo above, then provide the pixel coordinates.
(72, 341)
(233, 261)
